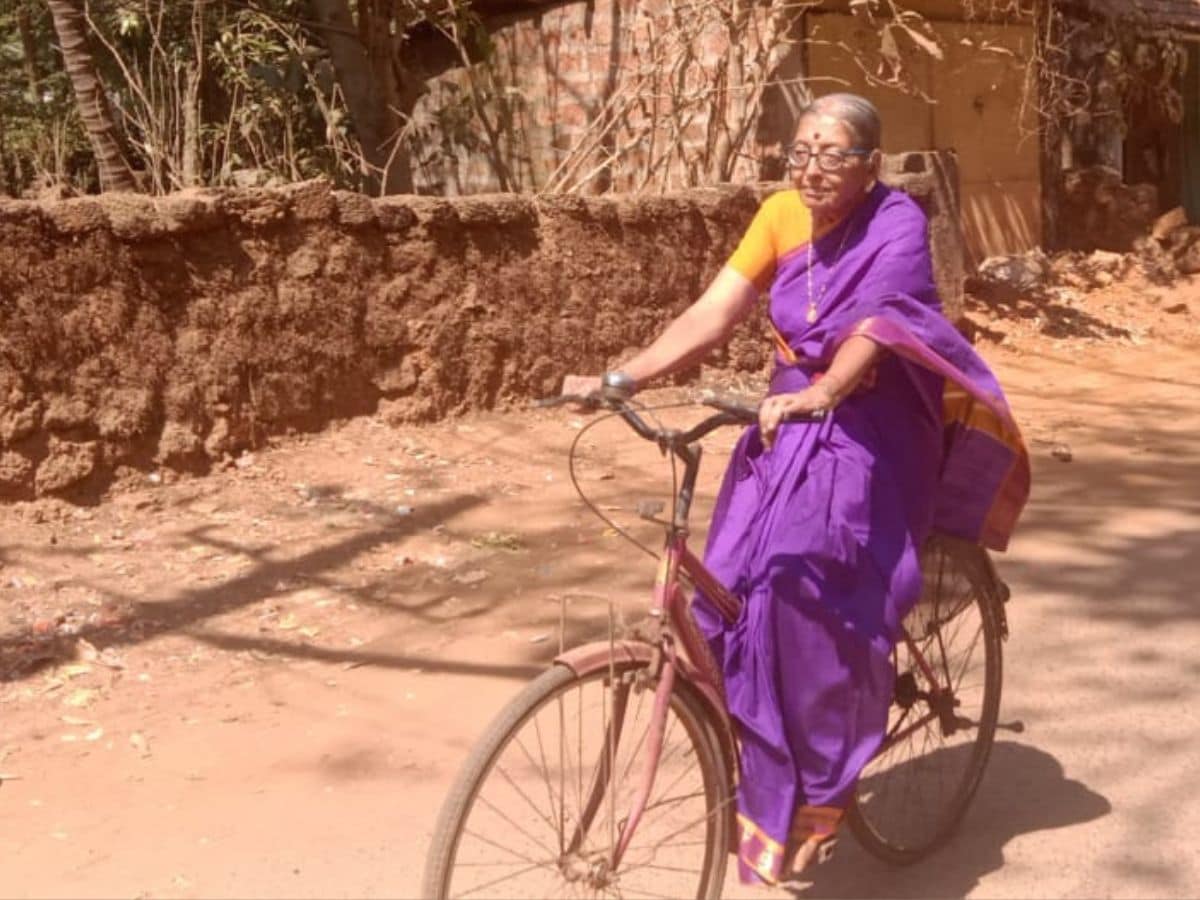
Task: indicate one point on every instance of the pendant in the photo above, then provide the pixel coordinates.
(812, 313)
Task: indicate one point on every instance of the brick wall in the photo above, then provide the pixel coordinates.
(557, 80)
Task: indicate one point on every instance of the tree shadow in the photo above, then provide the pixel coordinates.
(1024, 791)
(24, 652)
(1057, 319)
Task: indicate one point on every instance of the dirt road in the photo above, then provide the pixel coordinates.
(260, 683)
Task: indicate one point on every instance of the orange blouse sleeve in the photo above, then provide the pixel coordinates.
(781, 224)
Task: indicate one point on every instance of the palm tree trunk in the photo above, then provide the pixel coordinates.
(71, 26)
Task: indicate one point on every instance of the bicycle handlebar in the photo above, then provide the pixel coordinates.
(732, 411)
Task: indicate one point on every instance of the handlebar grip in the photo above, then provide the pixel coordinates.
(732, 404)
(748, 412)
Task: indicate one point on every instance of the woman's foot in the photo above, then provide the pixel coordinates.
(813, 836)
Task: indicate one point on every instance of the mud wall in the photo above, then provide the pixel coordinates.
(138, 332)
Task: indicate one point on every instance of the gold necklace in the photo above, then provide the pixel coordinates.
(813, 300)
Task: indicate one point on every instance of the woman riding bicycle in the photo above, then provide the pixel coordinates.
(818, 525)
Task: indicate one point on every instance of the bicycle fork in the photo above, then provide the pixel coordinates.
(662, 670)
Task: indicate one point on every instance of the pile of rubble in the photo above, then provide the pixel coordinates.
(1173, 245)
(1171, 250)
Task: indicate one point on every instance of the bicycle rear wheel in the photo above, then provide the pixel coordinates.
(540, 803)
(915, 791)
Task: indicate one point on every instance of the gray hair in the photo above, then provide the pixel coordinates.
(857, 113)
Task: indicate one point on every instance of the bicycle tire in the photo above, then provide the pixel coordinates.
(944, 560)
(686, 705)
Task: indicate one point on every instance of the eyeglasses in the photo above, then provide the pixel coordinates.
(831, 159)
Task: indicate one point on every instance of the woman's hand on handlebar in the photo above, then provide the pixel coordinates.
(611, 386)
(778, 408)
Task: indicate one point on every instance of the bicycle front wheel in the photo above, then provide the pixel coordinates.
(943, 716)
(540, 804)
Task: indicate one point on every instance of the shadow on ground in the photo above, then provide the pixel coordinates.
(1024, 791)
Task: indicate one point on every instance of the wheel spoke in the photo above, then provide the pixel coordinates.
(917, 786)
(498, 837)
(495, 881)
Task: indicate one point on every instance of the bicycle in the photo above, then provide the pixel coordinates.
(546, 806)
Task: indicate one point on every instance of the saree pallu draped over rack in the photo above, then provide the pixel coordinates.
(820, 536)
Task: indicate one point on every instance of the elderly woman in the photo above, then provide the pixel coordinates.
(818, 525)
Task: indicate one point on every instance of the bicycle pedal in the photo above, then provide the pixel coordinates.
(826, 850)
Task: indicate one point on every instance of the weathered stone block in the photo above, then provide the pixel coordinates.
(67, 464)
(310, 201)
(434, 212)
(189, 211)
(16, 471)
(394, 213)
(353, 209)
(132, 217)
(256, 207)
(78, 215)
(16, 424)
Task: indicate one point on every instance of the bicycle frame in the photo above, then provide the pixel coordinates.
(670, 609)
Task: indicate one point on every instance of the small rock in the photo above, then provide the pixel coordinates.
(1168, 222)
(1062, 453)
(475, 576)
(1177, 308)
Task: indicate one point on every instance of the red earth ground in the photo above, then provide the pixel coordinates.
(260, 683)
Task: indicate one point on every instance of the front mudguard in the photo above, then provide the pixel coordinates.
(594, 657)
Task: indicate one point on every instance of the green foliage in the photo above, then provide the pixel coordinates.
(205, 92)
(283, 118)
(41, 140)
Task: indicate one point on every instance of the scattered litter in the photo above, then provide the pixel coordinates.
(1062, 453)
(501, 540)
(109, 657)
(404, 510)
(474, 576)
(539, 639)
(94, 735)
(81, 697)
(75, 720)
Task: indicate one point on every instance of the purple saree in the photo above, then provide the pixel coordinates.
(820, 536)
